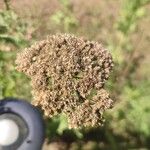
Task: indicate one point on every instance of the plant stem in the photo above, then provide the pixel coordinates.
(7, 5)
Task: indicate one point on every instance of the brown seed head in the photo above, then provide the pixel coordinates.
(68, 75)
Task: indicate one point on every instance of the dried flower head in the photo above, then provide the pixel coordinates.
(68, 76)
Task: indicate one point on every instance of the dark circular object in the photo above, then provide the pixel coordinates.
(30, 123)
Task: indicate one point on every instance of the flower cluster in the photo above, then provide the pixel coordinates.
(68, 75)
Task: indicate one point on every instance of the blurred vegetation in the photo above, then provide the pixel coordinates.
(127, 124)
(12, 38)
(65, 17)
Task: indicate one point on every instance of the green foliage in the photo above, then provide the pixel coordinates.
(132, 110)
(132, 114)
(12, 30)
(65, 16)
(12, 37)
(138, 108)
(12, 83)
(58, 125)
(132, 12)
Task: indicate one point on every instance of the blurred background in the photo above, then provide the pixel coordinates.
(122, 26)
